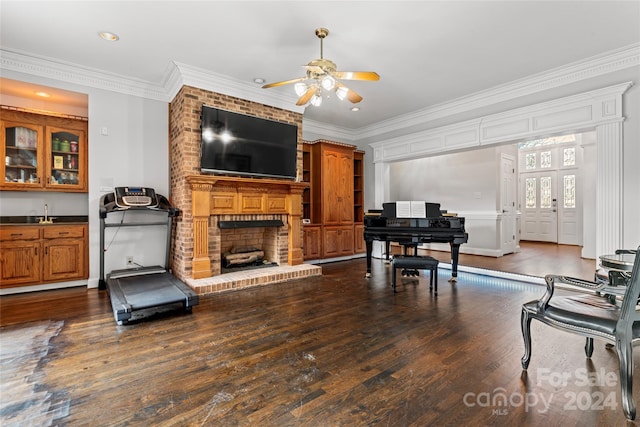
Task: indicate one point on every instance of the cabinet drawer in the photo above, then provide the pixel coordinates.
(19, 233)
(56, 232)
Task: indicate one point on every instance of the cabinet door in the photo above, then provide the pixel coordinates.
(345, 206)
(22, 147)
(312, 243)
(19, 263)
(358, 239)
(337, 241)
(337, 187)
(330, 187)
(64, 259)
(66, 159)
(346, 240)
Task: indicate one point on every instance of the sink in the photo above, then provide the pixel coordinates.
(32, 219)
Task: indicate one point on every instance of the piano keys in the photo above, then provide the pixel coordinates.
(386, 226)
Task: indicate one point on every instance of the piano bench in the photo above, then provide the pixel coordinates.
(417, 263)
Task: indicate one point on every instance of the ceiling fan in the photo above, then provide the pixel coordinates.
(323, 74)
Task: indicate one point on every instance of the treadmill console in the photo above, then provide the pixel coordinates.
(135, 197)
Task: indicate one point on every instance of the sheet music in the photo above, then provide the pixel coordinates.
(411, 209)
(403, 209)
(418, 209)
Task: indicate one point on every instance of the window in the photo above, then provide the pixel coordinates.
(545, 192)
(569, 191)
(545, 159)
(530, 195)
(530, 161)
(569, 156)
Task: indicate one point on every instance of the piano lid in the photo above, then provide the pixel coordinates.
(389, 210)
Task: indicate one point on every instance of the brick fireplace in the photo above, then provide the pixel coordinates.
(207, 200)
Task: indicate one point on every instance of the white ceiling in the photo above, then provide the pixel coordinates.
(426, 52)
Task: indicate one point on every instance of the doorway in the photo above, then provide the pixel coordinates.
(550, 190)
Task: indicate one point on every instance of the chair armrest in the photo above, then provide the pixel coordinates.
(552, 279)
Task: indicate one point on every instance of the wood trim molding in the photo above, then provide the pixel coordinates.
(574, 113)
(224, 195)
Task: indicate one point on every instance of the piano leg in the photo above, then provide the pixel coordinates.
(455, 252)
(387, 251)
(369, 245)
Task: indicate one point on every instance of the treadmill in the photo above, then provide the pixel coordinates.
(138, 292)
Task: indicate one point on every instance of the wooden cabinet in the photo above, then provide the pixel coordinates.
(43, 153)
(64, 253)
(312, 244)
(337, 184)
(335, 200)
(35, 254)
(19, 256)
(337, 241)
(359, 246)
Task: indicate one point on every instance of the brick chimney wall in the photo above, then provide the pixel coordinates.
(184, 158)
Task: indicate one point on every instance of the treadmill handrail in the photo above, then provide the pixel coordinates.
(108, 205)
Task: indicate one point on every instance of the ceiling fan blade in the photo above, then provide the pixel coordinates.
(352, 96)
(307, 95)
(286, 82)
(357, 75)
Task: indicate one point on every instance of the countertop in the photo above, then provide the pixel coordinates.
(33, 220)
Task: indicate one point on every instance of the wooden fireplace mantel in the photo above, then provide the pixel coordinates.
(225, 195)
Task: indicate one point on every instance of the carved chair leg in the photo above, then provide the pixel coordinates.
(625, 356)
(588, 347)
(525, 323)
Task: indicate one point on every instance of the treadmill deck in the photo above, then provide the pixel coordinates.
(144, 290)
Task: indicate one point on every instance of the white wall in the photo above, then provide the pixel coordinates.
(466, 183)
(134, 152)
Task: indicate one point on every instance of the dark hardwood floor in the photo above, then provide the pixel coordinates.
(335, 350)
(534, 259)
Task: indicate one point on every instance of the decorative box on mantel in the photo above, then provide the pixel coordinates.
(224, 197)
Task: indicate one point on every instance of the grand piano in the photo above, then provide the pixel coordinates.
(394, 224)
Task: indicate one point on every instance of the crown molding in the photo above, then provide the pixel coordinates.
(178, 74)
(609, 62)
(73, 73)
(327, 131)
(186, 75)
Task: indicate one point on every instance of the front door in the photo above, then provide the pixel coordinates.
(539, 206)
(550, 193)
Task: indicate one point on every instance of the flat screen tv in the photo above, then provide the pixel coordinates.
(238, 144)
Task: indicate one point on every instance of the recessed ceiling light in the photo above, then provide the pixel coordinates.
(106, 35)
(43, 94)
(259, 80)
(355, 108)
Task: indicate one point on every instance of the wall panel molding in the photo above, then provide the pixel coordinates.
(569, 114)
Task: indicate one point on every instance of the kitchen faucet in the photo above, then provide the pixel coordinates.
(46, 219)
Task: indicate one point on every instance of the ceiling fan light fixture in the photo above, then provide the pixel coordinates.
(316, 100)
(328, 82)
(322, 75)
(341, 92)
(300, 88)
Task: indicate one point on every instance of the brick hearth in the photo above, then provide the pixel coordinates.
(249, 278)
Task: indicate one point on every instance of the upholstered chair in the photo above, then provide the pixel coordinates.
(594, 315)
